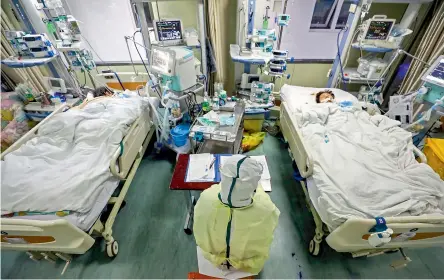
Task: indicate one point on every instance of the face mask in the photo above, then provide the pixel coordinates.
(326, 100)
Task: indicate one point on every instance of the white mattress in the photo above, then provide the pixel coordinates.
(84, 221)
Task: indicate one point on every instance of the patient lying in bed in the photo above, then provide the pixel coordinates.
(325, 96)
(364, 166)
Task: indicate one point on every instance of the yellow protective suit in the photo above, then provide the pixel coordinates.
(251, 234)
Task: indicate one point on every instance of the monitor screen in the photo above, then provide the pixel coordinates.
(55, 83)
(378, 30)
(169, 30)
(253, 79)
(437, 74)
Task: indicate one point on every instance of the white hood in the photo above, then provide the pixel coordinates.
(240, 178)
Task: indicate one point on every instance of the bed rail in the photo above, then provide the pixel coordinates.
(56, 235)
(130, 146)
(292, 135)
(33, 132)
(419, 154)
(424, 231)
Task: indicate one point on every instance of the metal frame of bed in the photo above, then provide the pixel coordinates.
(59, 238)
(352, 235)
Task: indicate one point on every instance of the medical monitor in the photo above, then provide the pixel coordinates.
(168, 32)
(435, 74)
(163, 61)
(57, 85)
(378, 28)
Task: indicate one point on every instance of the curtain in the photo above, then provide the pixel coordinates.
(430, 47)
(221, 28)
(33, 76)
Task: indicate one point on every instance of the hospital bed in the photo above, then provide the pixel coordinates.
(352, 236)
(48, 235)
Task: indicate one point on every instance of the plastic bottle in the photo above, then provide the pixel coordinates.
(206, 103)
(216, 102)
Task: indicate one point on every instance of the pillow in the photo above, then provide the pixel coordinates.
(296, 96)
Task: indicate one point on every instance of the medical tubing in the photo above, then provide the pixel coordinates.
(143, 62)
(239, 20)
(432, 58)
(84, 77)
(400, 51)
(131, 57)
(99, 82)
(118, 79)
(95, 51)
(165, 125)
(349, 46)
(414, 82)
(158, 127)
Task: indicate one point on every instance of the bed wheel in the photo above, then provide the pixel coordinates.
(112, 249)
(314, 248)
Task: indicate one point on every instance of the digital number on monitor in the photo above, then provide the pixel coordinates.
(169, 30)
(378, 30)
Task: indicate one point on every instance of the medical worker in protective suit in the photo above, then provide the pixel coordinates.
(234, 221)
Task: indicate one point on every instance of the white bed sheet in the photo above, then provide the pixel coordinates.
(296, 96)
(314, 194)
(126, 109)
(84, 221)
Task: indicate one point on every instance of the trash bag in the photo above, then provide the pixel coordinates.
(251, 140)
(434, 151)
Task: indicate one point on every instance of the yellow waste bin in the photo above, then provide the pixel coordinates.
(434, 151)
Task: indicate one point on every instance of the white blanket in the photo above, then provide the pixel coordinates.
(66, 166)
(364, 165)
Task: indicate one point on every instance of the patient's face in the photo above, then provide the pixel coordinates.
(326, 97)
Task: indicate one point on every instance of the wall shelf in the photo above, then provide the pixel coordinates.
(352, 76)
(371, 48)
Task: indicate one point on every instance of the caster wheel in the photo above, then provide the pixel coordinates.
(314, 248)
(112, 249)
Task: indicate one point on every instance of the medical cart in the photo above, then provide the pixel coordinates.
(223, 139)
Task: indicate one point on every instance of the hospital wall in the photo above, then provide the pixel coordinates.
(302, 74)
(311, 74)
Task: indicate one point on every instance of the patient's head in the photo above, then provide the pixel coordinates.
(102, 91)
(325, 96)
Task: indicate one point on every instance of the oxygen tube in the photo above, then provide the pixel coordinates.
(228, 235)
